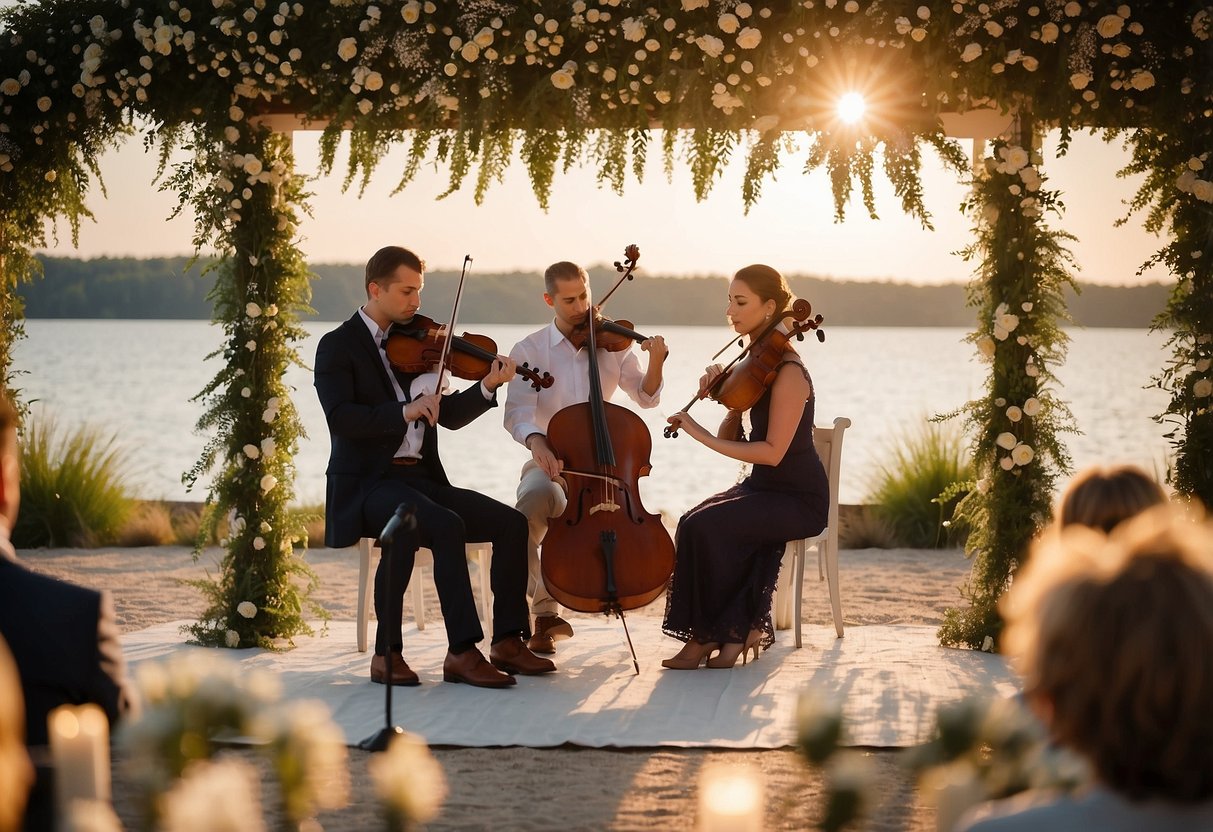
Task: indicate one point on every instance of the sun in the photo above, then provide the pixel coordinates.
(851, 107)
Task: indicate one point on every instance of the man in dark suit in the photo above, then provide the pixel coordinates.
(63, 637)
(382, 424)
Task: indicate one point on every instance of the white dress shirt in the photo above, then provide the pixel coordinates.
(528, 410)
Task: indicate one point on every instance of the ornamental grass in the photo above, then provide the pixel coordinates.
(72, 491)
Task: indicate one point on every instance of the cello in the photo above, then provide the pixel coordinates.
(606, 553)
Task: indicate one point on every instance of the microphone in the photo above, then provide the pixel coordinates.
(401, 517)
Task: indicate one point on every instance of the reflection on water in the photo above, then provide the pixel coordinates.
(136, 379)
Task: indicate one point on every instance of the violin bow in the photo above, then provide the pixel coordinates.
(450, 334)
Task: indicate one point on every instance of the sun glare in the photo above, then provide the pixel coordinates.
(851, 107)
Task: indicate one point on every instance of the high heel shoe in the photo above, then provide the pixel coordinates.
(729, 651)
(691, 656)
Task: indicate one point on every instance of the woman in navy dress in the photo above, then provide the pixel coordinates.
(729, 547)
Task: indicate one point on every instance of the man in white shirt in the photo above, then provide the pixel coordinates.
(541, 490)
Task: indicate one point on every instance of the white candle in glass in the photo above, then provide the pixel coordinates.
(79, 738)
(730, 798)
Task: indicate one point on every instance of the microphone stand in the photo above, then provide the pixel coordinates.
(378, 741)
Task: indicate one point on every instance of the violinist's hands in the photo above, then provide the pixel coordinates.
(656, 349)
(423, 407)
(710, 374)
(681, 421)
(544, 457)
(503, 369)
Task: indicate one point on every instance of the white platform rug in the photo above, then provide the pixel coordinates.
(891, 679)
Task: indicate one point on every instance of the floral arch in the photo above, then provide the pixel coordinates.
(471, 84)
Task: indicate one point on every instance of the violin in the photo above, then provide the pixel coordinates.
(416, 347)
(741, 384)
(612, 336)
(606, 552)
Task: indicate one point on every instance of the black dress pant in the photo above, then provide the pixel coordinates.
(447, 518)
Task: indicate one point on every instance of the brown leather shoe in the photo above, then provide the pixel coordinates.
(549, 629)
(471, 668)
(401, 673)
(512, 656)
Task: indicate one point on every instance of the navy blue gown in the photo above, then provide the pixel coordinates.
(729, 547)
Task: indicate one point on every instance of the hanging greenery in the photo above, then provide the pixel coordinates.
(474, 85)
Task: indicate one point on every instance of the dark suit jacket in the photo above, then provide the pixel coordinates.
(65, 642)
(366, 425)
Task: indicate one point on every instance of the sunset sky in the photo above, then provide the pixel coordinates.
(792, 226)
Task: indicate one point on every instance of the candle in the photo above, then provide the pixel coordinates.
(80, 752)
(730, 798)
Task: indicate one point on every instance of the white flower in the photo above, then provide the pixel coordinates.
(1031, 370)
(247, 609)
(985, 346)
(258, 544)
(765, 123)
(663, 96)
(1014, 413)
(711, 45)
(1049, 33)
(231, 638)
(50, 176)
(271, 310)
(1143, 79)
(633, 29)
(347, 49)
(728, 23)
(1202, 366)
(268, 446)
(1110, 25)
(246, 391)
(252, 451)
(470, 51)
(213, 796)
(749, 38)
(1073, 8)
(1007, 463)
(1203, 388)
(1031, 407)
(562, 79)
(252, 165)
(408, 779)
(903, 25)
(411, 11)
(1022, 454)
(1015, 158)
(1006, 440)
(1202, 189)
(10, 87)
(250, 345)
(252, 310)
(267, 483)
(1079, 80)
(691, 5)
(971, 52)
(994, 28)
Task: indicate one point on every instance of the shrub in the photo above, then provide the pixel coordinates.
(916, 491)
(71, 487)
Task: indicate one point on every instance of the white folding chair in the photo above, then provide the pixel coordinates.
(790, 587)
(482, 552)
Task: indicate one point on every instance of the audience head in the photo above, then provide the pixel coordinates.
(1100, 497)
(16, 772)
(1113, 635)
(10, 467)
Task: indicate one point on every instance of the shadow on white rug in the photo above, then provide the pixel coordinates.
(891, 679)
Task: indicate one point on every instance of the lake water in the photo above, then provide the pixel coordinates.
(135, 379)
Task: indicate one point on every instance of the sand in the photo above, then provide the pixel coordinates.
(566, 788)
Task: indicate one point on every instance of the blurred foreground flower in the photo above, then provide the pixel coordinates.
(408, 781)
(220, 796)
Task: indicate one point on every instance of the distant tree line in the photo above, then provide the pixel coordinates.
(170, 288)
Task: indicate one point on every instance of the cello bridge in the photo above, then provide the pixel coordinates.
(611, 506)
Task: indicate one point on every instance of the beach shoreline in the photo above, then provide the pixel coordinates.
(567, 787)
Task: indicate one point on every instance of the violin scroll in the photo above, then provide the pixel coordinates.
(631, 254)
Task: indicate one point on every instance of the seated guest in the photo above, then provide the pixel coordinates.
(1114, 638)
(1102, 496)
(63, 637)
(16, 773)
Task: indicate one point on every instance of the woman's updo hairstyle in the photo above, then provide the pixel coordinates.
(767, 283)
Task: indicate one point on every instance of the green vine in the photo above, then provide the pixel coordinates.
(1018, 293)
